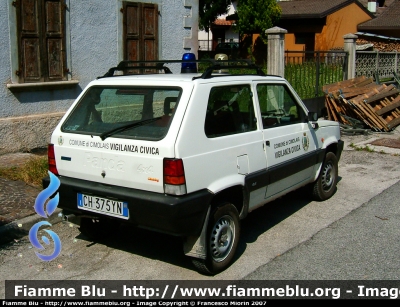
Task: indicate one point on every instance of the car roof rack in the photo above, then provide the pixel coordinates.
(159, 65)
(223, 65)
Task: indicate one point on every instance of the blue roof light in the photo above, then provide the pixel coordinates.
(190, 67)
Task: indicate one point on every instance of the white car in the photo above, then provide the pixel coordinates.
(188, 154)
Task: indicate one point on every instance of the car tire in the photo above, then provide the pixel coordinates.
(221, 241)
(324, 187)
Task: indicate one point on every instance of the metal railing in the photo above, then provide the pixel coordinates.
(207, 45)
(308, 71)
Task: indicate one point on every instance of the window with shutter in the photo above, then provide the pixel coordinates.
(140, 31)
(41, 40)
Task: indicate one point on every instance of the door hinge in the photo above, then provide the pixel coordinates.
(18, 72)
(15, 3)
(122, 10)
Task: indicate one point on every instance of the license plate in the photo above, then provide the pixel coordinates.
(103, 205)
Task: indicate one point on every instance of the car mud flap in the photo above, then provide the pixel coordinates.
(195, 246)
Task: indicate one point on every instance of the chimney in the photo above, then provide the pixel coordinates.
(372, 6)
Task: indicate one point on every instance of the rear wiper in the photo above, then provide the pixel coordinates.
(106, 134)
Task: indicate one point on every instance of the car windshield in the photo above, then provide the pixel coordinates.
(105, 109)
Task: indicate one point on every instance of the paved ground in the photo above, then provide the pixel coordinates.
(16, 196)
(17, 199)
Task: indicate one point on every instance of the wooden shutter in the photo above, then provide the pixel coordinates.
(132, 31)
(29, 33)
(54, 40)
(150, 26)
(41, 31)
(140, 31)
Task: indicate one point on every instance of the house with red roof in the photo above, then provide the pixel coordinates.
(320, 25)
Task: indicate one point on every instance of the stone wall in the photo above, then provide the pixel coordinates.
(25, 133)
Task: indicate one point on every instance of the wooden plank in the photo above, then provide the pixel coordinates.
(376, 117)
(356, 112)
(330, 116)
(363, 83)
(392, 100)
(332, 111)
(339, 111)
(335, 105)
(370, 115)
(387, 116)
(373, 104)
(389, 107)
(369, 94)
(382, 95)
(327, 88)
(395, 122)
(355, 91)
(362, 114)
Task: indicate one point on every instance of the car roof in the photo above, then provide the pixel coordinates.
(129, 71)
(183, 77)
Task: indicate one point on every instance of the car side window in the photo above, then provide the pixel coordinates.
(278, 107)
(230, 110)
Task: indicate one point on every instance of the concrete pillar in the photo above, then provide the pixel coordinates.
(276, 51)
(350, 48)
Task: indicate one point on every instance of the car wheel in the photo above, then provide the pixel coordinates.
(222, 240)
(325, 185)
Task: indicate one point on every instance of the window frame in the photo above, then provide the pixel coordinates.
(224, 116)
(143, 34)
(97, 111)
(15, 48)
(276, 120)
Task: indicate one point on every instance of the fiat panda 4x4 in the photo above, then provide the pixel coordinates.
(188, 154)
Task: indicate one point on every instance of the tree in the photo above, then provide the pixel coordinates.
(256, 16)
(209, 10)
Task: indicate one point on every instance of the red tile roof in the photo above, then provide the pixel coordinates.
(223, 22)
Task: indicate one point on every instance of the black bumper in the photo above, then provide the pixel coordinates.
(339, 151)
(175, 215)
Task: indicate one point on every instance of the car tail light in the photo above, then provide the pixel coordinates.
(174, 177)
(51, 157)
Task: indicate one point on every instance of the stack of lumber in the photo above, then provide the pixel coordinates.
(375, 105)
(382, 45)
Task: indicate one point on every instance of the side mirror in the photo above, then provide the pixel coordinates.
(313, 118)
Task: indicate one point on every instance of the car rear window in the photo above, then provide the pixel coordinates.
(103, 109)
